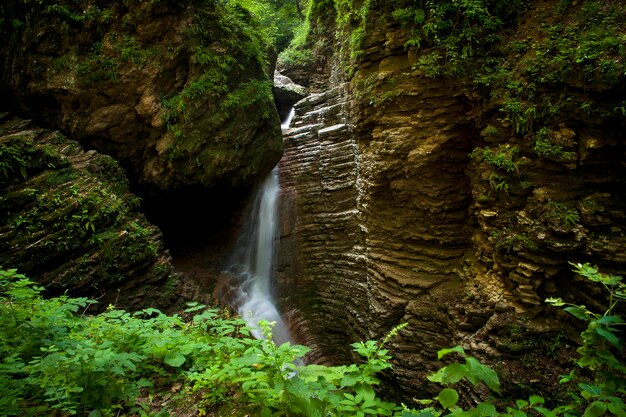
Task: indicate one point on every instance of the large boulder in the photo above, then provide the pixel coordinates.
(178, 92)
(68, 220)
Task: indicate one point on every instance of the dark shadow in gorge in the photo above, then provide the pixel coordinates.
(200, 228)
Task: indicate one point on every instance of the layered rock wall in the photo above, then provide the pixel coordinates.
(397, 209)
(68, 220)
(322, 267)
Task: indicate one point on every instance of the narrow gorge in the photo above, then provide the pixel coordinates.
(442, 168)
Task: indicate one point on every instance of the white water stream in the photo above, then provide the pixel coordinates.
(255, 268)
(254, 259)
(287, 122)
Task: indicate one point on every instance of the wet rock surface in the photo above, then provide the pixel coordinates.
(286, 94)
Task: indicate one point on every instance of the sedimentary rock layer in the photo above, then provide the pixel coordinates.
(395, 212)
(69, 221)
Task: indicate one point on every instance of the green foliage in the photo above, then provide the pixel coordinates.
(244, 38)
(12, 160)
(601, 348)
(352, 21)
(502, 158)
(509, 241)
(593, 46)
(273, 383)
(56, 358)
(561, 215)
(456, 29)
(296, 57)
(279, 19)
(600, 353)
(309, 37)
(520, 114)
(376, 89)
(472, 370)
(546, 147)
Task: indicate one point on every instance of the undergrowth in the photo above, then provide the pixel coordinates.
(55, 356)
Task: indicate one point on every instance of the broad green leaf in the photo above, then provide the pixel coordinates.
(536, 399)
(577, 312)
(365, 391)
(544, 411)
(521, 403)
(443, 352)
(616, 407)
(595, 409)
(424, 413)
(512, 412)
(175, 360)
(350, 380)
(297, 387)
(591, 389)
(610, 320)
(484, 373)
(448, 397)
(608, 336)
(484, 410)
(449, 374)
(248, 385)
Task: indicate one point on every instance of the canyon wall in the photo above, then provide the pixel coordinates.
(68, 219)
(178, 92)
(397, 209)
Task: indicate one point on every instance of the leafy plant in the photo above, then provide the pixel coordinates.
(57, 358)
(545, 147)
(599, 353)
(560, 214)
(501, 158)
(601, 347)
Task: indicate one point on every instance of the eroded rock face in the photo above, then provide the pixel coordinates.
(173, 90)
(388, 219)
(69, 221)
(322, 266)
(380, 198)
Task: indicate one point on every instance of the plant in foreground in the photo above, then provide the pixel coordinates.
(120, 363)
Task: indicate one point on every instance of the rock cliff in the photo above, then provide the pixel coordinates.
(68, 219)
(178, 92)
(416, 195)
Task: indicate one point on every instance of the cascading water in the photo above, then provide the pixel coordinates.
(287, 122)
(254, 259)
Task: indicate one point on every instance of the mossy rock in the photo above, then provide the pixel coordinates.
(68, 219)
(163, 87)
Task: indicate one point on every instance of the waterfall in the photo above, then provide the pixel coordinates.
(255, 301)
(253, 260)
(287, 122)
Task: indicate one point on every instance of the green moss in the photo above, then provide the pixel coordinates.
(507, 241)
(82, 218)
(243, 46)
